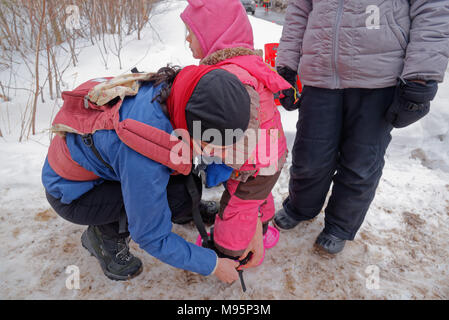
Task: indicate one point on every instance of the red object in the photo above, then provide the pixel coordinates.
(270, 59)
(271, 53)
(256, 68)
(62, 163)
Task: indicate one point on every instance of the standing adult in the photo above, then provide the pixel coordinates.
(366, 66)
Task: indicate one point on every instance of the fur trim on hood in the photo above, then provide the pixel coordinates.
(229, 53)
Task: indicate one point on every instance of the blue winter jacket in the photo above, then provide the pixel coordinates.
(143, 182)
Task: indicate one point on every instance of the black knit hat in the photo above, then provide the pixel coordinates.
(220, 102)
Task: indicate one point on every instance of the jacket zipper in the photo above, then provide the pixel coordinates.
(396, 24)
(335, 42)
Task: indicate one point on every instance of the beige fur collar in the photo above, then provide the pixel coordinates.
(228, 53)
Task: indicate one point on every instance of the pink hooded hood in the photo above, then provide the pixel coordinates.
(219, 24)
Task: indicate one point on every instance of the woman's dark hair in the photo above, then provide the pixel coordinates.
(165, 74)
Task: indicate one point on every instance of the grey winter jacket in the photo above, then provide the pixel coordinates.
(365, 43)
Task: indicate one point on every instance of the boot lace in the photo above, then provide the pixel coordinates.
(123, 253)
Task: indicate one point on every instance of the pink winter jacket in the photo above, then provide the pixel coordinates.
(269, 154)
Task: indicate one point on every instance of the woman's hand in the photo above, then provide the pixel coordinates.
(256, 246)
(226, 270)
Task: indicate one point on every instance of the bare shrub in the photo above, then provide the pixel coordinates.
(35, 34)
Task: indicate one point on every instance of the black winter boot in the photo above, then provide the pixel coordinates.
(329, 243)
(283, 222)
(112, 254)
(208, 211)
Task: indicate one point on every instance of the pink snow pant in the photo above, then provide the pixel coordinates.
(240, 206)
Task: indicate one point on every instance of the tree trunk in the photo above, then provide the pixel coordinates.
(36, 93)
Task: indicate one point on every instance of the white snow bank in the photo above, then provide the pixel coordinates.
(428, 139)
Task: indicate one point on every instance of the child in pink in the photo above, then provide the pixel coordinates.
(220, 34)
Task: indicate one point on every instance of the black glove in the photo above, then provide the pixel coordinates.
(411, 102)
(290, 101)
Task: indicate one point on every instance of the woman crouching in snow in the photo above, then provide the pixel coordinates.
(110, 165)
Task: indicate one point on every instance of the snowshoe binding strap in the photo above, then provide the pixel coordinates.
(196, 198)
(242, 263)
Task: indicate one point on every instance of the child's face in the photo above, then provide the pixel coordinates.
(194, 45)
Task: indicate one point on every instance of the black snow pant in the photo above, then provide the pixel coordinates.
(103, 206)
(341, 138)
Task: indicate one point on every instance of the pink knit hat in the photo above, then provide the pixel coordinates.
(219, 24)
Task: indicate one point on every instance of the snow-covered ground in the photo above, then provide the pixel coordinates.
(401, 251)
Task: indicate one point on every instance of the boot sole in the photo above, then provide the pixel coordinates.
(319, 250)
(283, 230)
(84, 243)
